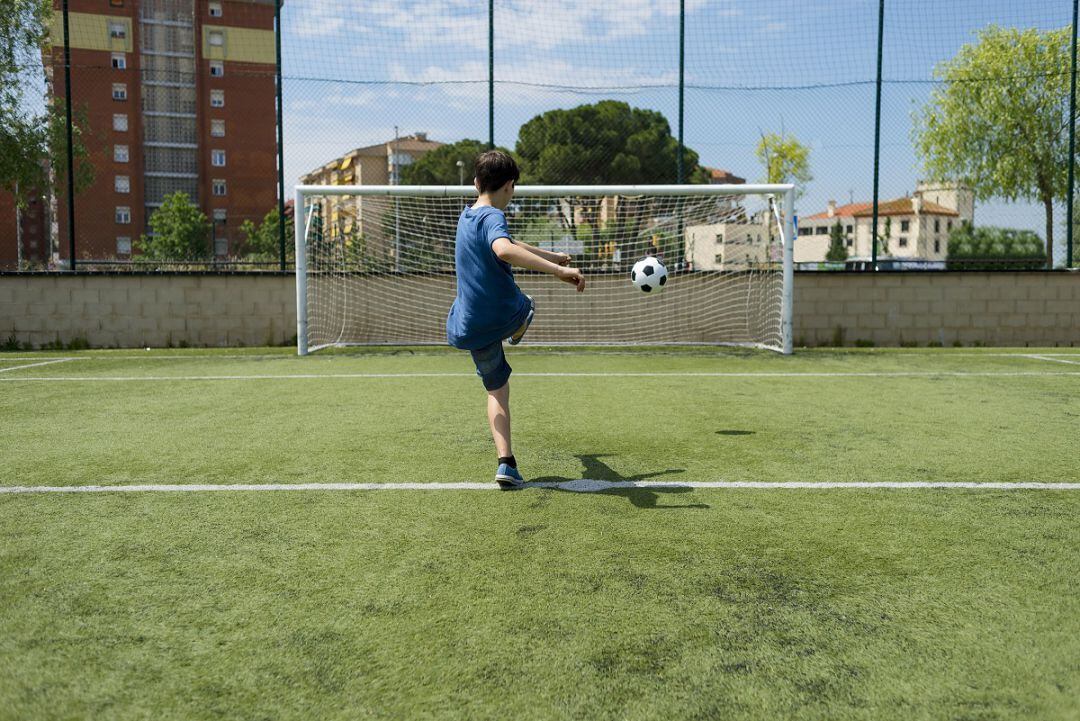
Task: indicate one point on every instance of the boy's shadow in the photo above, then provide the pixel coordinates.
(600, 478)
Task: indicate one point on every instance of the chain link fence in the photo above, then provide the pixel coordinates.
(922, 134)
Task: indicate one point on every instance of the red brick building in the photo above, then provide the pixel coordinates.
(23, 232)
(178, 95)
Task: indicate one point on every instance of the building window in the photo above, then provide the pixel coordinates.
(903, 242)
(948, 225)
(719, 238)
(822, 230)
(119, 122)
(937, 245)
(219, 187)
(123, 245)
(850, 242)
(905, 226)
(117, 31)
(123, 214)
(122, 184)
(719, 259)
(217, 38)
(217, 98)
(119, 61)
(120, 153)
(220, 215)
(937, 225)
(217, 158)
(850, 229)
(217, 128)
(215, 9)
(221, 247)
(119, 91)
(217, 69)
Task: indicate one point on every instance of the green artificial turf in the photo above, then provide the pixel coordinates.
(645, 603)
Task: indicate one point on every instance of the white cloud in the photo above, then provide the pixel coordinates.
(524, 25)
(529, 82)
(313, 19)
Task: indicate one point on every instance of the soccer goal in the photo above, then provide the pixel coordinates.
(375, 264)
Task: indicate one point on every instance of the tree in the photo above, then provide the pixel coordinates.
(988, 247)
(181, 231)
(30, 140)
(262, 242)
(998, 123)
(837, 244)
(785, 160)
(883, 239)
(606, 142)
(439, 166)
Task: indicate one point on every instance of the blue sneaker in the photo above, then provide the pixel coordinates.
(520, 332)
(508, 477)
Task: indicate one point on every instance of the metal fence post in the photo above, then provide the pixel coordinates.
(877, 136)
(682, 66)
(491, 74)
(280, 143)
(1072, 146)
(70, 149)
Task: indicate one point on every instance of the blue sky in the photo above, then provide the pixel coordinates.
(355, 70)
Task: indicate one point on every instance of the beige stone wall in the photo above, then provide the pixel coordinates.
(134, 310)
(995, 309)
(1037, 309)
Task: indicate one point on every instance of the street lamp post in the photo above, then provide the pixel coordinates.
(461, 172)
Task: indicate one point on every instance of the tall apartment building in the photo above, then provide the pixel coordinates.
(178, 95)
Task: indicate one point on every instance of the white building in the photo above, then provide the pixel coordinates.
(730, 245)
(915, 227)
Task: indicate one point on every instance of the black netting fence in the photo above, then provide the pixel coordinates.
(921, 134)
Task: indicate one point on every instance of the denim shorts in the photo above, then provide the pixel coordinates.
(491, 365)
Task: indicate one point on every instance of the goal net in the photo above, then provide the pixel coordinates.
(375, 264)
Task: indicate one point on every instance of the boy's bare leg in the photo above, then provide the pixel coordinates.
(498, 409)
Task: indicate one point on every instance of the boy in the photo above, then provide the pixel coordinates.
(489, 307)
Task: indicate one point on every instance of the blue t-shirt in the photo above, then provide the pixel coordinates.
(489, 306)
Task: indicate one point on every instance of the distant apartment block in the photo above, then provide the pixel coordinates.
(717, 176)
(379, 164)
(918, 226)
(730, 245)
(179, 95)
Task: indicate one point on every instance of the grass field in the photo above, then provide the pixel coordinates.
(632, 602)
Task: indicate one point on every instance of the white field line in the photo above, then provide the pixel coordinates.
(598, 374)
(580, 486)
(34, 365)
(1047, 357)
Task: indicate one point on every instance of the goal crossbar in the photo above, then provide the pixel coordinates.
(779, 194)
(451, 191)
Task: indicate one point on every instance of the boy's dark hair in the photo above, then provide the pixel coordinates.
(494, 169)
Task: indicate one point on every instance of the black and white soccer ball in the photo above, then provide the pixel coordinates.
(649, 275)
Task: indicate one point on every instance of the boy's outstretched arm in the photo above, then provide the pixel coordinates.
(556, 258)
(513, 254)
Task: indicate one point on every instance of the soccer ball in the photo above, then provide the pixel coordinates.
(648, 275)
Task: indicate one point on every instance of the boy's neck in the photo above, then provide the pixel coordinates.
(486, 199)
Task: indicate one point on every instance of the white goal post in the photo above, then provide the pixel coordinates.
(375, 264)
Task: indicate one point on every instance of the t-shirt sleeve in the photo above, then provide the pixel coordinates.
(495, 228)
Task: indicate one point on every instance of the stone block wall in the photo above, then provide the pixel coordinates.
(886, 309)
